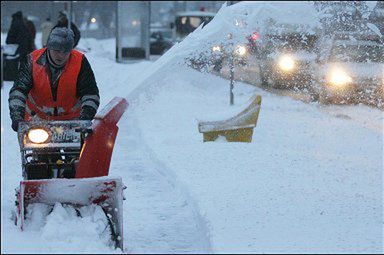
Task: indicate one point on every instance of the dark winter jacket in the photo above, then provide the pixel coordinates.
(32, 30)
(87, 89)
(73, 28)
(19, 34)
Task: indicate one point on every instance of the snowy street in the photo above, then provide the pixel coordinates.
(311, 180)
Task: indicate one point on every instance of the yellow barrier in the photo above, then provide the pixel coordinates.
(236, 129)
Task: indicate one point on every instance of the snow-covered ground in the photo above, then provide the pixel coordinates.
(311, 181)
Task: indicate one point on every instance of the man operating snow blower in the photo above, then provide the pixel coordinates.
(65, 147)
(54, 83)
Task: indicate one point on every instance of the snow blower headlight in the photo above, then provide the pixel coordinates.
(38, 135)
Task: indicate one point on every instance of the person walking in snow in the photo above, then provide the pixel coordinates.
(46, 28)
(63, 22)
(54, 83)
(18, 34)
(32, 31)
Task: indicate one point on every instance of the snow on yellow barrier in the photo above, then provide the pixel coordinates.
(236, 129)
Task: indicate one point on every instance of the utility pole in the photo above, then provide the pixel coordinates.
(68, 9)
(146, 30)
(118, 34)
(69, 14)
(2, 66)
(231, 78)
(231, 69)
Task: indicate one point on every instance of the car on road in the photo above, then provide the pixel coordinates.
(351, 69)
(287, 59)
(186, 22)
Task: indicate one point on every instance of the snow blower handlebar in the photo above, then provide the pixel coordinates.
(95, 156)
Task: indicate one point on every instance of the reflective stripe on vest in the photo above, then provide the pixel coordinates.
(40, 99)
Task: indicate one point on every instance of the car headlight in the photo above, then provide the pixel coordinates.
(286, 63)
(38, 135)
(216, 49)
(240, 50)
(339, 78)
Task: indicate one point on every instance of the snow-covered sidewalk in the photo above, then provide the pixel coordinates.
(160, 216)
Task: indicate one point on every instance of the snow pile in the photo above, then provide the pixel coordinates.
(66, 229)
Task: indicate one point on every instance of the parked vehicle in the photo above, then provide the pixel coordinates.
(351, 69)
(160, 40)
(187, 22)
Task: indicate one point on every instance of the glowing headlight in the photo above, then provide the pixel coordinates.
(38, 135)
(216, 49)
(240, 50)
(339, 78)
(286, 63)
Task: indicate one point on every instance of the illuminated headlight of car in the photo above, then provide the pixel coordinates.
(216, 48)
(240, 50)
(38, 135)
(286, 63)
(339, 78)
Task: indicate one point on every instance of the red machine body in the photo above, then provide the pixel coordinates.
(91, 184)
(96, 154)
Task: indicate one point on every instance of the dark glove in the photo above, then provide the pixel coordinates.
(87, 113)
(85, 117)
(15, 125)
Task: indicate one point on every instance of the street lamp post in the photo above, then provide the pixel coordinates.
(68, 9)
(118, 34)
(2, 66)
(69, 14)
(231, 77)
(231, 69)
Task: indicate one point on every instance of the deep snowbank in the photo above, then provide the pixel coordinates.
(64, 231)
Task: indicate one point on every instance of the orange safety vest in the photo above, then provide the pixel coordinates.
(40, 99)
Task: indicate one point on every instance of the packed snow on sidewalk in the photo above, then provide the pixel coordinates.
(310, 181)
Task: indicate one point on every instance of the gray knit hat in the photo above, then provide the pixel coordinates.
(61, 39)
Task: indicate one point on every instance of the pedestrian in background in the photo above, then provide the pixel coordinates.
(63, 22)
(32, 31)
(46, 28)
(19, 34)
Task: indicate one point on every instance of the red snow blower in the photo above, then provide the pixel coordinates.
(68, 162)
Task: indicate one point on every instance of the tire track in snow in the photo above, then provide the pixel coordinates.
(159, 215)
